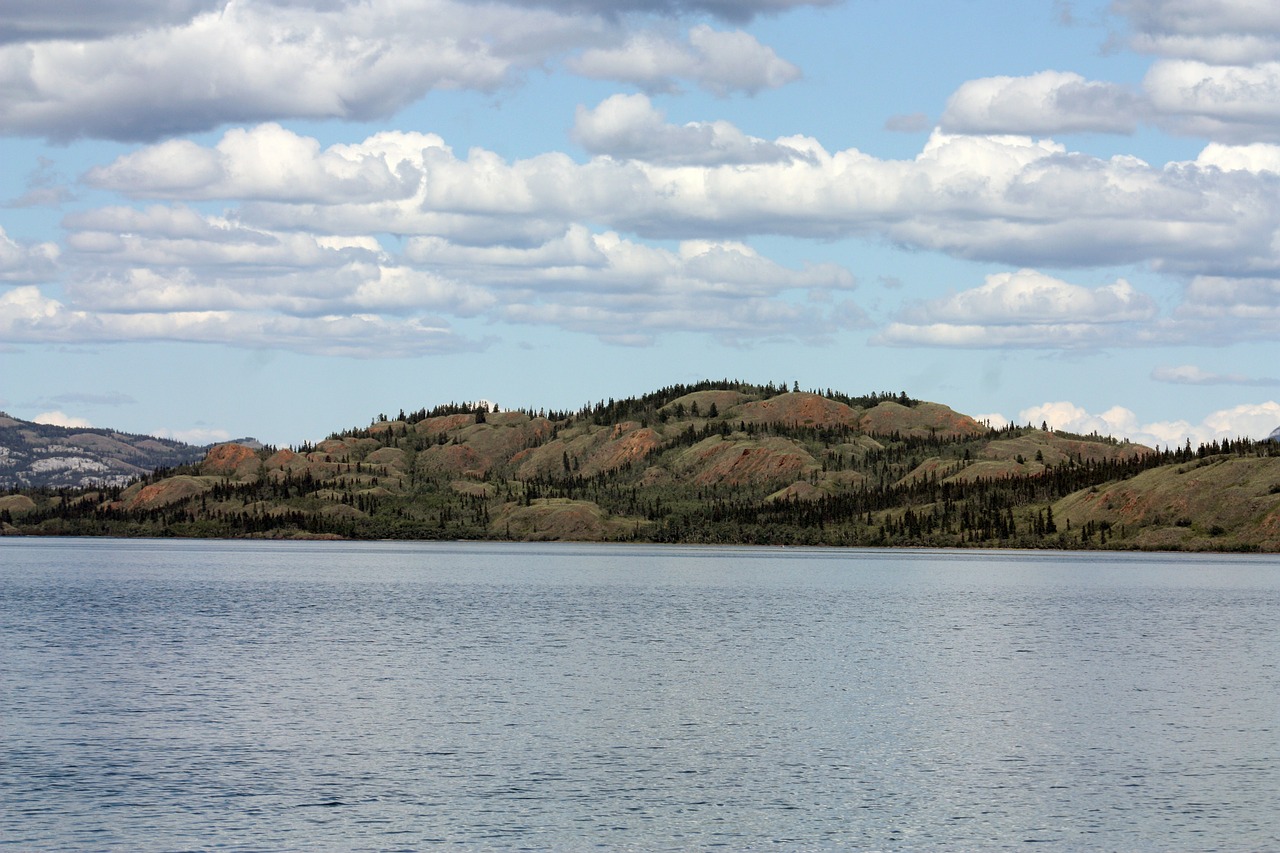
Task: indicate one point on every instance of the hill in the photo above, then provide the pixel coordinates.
(41, 456)
(716, 462)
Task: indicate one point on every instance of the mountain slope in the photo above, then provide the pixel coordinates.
(43, 456)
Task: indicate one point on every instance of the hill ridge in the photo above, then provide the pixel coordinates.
(715, 461)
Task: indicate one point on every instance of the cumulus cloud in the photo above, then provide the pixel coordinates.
(1005, 199)
(719, 61)
(1249, 420)
(245, 62)
(269, 162)
(730, 10)
(1217, 31)
(59, 418)
(1228, 103)
(1258, 157)
(301, 239)
(27, 315)
(40, 20)
(1049, 102)
(630, 127)
(26, 262)
(196, 435)
(145, 69)
(1225, 310)
(1025, 309)
(1189, 374)
(189, 275)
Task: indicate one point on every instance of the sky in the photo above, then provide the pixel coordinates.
(283, 218)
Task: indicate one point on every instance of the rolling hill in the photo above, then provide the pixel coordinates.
(715, 462)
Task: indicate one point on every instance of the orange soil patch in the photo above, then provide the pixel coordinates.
(444, 423)
(799, 408)
(230, 460)
(453, 459)
(166, 492)
(735, 463)
(921, 420)
(625, 446)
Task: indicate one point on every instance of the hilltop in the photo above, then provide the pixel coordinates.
(715, 462)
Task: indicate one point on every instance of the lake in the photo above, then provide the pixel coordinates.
(172, 695)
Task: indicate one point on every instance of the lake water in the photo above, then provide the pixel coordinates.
(385, 696)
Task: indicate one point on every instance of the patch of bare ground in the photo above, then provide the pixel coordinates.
(560, 519)
(589, 450)
(451, 460)
(1055, 449)
(993, 469)
(798, 408)
(16, 504)
(801, 490)
(1217, 503)
(704, 400)
(231, 460)
(919, 421)
(472, 489)
(717, 460)
(170, 490)
(342, 511)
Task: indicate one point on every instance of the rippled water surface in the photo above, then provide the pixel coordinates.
(282, 696)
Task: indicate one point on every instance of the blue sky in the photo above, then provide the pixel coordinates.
(280, 218)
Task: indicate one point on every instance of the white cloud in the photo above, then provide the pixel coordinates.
(1217, 31)
(1258, 158)
(1249, 420)
(629, 126)
(478, 230)
(1189, 374)
(1241, 307)
(26, 315)
(1004, 199)
(58, 418)
(134, 70)
(1049, 102)
(719, 61)
(26, 262)
(271, 163)
(1025, 309)
(1228, 103)
(730, 10)
(196, 435)
(244, 61)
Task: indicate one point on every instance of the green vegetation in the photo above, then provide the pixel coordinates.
(715, 462)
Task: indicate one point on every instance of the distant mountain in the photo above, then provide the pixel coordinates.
(43, 456)
(716, 462)
(1275, 435)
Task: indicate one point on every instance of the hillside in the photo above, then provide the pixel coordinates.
(717, 462)
(40, 456)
